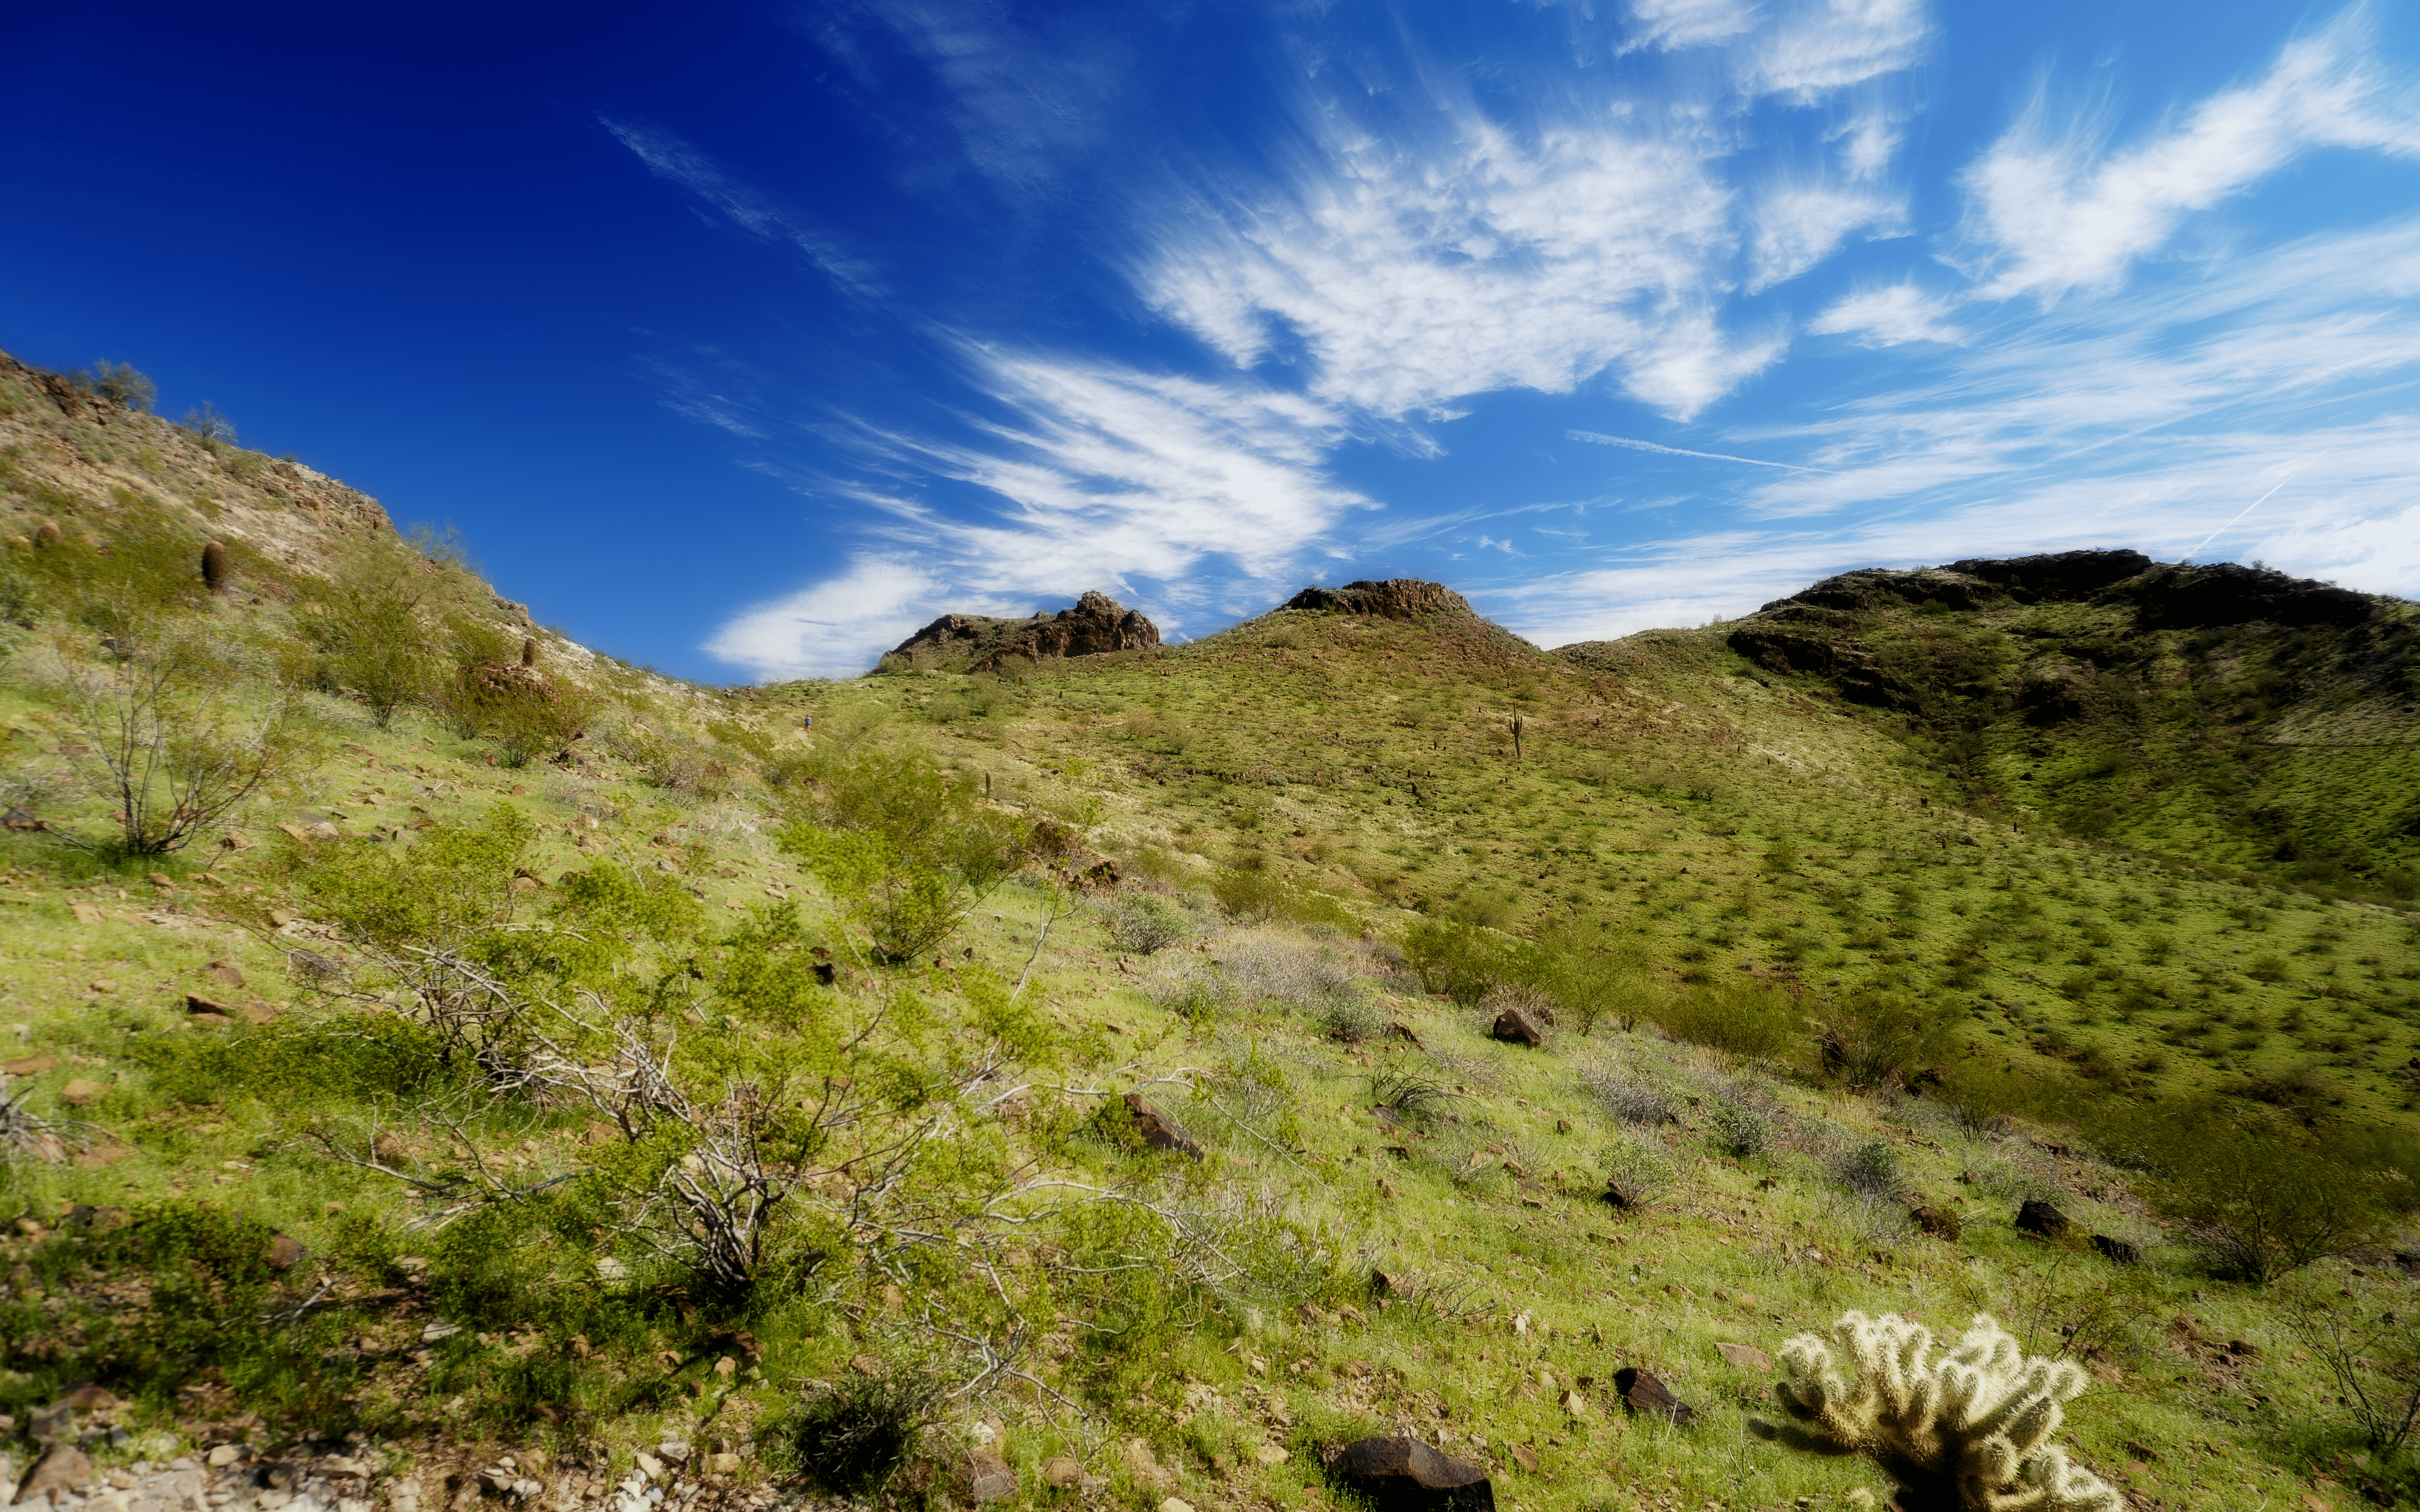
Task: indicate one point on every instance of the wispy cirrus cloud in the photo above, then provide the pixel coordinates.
(2054, 210)
(673, 159)
(1891, 315)
(1102, 477)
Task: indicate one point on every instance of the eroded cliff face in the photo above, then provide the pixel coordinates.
(979, 642)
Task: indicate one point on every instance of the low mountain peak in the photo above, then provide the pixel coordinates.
(979, 642)
(1393, 598)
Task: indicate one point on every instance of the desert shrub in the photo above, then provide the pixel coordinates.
(167, 739)
(1639, 1173)
(212, 427)
(368, 627)
(2258, 1205)
(1411, 1098)
(1877, 1039)
(535, 715)
(849, 1438)
(1193, 991)
(1459, 960)
(1742, 1019)
(1143, 922)
(1870, 1168)
(908, 848)
(672, 761)
(1631, 1097)
(1742, 1129)
(119, 383)
(1350, 1020)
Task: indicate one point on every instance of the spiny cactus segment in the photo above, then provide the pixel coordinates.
(1967, 1431)
(214, 565)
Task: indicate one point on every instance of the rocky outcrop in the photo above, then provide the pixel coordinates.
(2191, 597)
(1403, 1475)
(979, 643)
(1396, 598)
(2057, 574)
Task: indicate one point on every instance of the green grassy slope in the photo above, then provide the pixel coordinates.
(1291, 802)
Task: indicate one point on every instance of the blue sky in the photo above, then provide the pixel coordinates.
(742, 339)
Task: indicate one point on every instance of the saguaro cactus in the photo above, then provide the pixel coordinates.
(1965, 1432)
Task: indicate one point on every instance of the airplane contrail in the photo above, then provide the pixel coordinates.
(1674, 451)
(2246, 510)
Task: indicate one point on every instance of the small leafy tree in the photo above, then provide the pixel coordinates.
(119, 383)
(367, 626)
(906, 848)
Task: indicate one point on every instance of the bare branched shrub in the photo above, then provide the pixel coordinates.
(1630, 1098)
(2373, 1358)
(25, 1135)
(1143, 922)
(167, 739)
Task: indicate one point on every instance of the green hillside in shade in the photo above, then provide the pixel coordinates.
(447, 1065)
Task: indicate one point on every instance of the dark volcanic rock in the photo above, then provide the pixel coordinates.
(1514, 1027)
(1406, 1475)
(2057, 574)
(1397, 598)
(2117, 1250)
(979, 643)
(2194, 598)
(1870, 587)
(1642, 1393)
(2039, 1217)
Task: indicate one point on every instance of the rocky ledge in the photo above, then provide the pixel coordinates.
(979, 643)
(1395, 598)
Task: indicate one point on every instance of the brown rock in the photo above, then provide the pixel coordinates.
(1526, 1457)
(2035, 1216)
(1156, 1131)
(31, 1065)
(21, 820)
(870, 1365)
(979, 643)
(285, 1252)
(1514, 1027)
(1399, 1474)
(1643, 1394)
(64, 1469)
(1399, 1284)
(985, 1477)
(1746, 1356)
(2117, 1250)
(1939, 1222)
(1061, 1472)
(226, 973)
(80, 1093)
(197, 1003)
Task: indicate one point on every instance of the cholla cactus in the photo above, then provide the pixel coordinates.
(1965, 1432)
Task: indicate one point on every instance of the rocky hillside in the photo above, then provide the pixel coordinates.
(2223, 714)
(1359, 1057)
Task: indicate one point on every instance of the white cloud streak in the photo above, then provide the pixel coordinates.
(673, 160)
(2052, 211)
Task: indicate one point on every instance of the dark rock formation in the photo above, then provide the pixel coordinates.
(2039, 1217)
(1397, 598)
(1939, 1222)
(2187, 597)
(2117, 1250)
(1513, 1026)
(1643, 1394)
(978, 643)
(2057, 574)
(1406, 1475)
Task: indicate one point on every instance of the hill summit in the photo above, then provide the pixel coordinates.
(979, 642)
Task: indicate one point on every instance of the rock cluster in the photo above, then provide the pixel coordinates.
(979, 643)
(1395, 598)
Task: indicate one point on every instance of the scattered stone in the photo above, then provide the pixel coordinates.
(2118, 1250)
(1643, 1394)
(869, 1365)
(439, 1329)
(1746, 1356)
(62, 1470)
(1526, 1457)
(2039, 1217)
(80, 1093)
(672, 1451)
(1156, 1131)
(226, 973)
(1513, 1026)
(1401, 1475)
(285, 1252)
(1271, 1454)
(1576, 1404)
(1175, 1504)
(85, 912)
(1399, 1284)
(21, 820)
(225, 1455)
(1061, 1472)
(985, 1476)
(1939, 1222)
(723, 1464)
(31, 1065)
